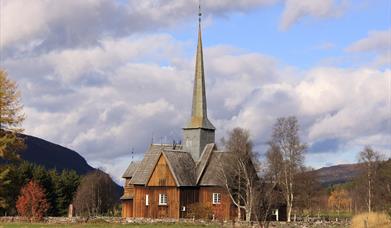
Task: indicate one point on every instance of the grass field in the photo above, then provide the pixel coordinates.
(15, 225)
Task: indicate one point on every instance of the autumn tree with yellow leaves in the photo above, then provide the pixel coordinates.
(11, 118)
(339, 200)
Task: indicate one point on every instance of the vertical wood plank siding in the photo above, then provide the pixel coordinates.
(127, 208)
(222, 210)
(161, 175)
(154, 210)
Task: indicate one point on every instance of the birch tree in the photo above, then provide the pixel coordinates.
(238, 172)
(370, 159)
(286, 156)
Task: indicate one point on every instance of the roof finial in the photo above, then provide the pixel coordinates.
(199, 11)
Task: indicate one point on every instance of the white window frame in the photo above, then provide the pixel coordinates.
(163, 199)
(146, 200)
(216, 198)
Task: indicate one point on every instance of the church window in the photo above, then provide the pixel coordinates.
(146, 200)
(216, 198)
(162, 199)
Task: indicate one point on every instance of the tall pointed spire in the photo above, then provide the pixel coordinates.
(199, 117)
(199, 131)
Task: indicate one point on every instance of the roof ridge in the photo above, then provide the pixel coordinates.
(177, 151)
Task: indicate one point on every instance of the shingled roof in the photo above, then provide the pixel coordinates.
(131, 169)
(146, 166)
(182, 167)
(205, 157)
(211, 174)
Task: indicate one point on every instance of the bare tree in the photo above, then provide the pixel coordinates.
(96, 194)
(267, 197)
(370, 159)
(238, 172)
(308, 191)
(286, 156)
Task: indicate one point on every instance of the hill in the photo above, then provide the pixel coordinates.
(53, 156)
(338, 174)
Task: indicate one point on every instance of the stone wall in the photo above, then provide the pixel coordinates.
(118, 220)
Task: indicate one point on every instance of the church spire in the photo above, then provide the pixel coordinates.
(199, 131)
(199, 118)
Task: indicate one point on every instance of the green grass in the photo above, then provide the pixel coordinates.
(36, 225)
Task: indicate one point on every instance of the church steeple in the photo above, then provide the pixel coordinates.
(199, 131)
(199, 117)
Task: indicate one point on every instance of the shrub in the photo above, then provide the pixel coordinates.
(371, 220)
(32, 202)
(200, 211)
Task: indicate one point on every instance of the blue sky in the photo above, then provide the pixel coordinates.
(103, 76)
(305, 44)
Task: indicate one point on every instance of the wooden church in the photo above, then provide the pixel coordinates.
(172, 178)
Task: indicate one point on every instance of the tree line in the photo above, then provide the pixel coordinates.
(58, 188)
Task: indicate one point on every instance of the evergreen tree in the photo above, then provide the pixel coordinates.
(66, 186)
(43, 178)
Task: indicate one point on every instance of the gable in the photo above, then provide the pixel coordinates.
(161, 175)
(147, 165)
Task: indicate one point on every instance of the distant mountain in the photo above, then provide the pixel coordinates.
(53, 156)
(338, 174)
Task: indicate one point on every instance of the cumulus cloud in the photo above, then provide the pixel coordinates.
(298, 9)
(104, 100)
(94, 81)
(378, 43)
(46, 25)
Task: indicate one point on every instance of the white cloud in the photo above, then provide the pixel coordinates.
(378, 43)
(51, 24)
(137, 101)
(45, 25)
(101, 92)
(298, 9)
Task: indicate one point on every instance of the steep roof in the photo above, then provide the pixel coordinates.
(204, 159)
(131, 169)
(182, 167)
(145, 168)
(211, 175)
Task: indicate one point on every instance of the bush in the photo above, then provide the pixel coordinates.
(200, 211)
(371, 220)
(32, 202)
